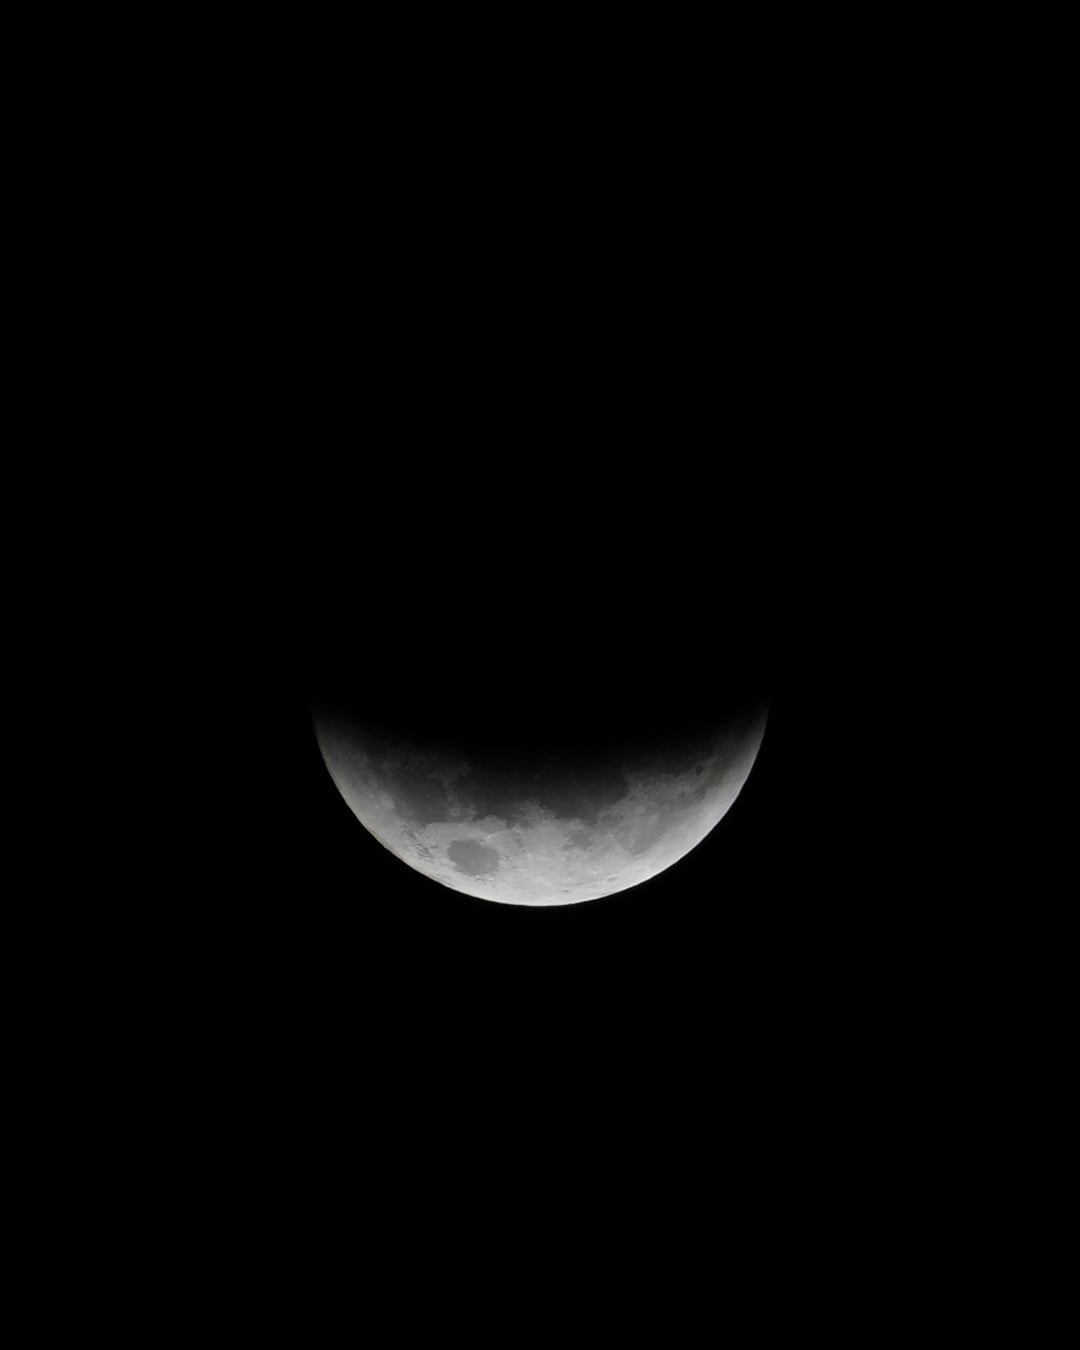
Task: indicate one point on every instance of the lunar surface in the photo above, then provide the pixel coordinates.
(554, 831)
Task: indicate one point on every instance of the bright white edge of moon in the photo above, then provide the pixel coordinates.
(528, 852)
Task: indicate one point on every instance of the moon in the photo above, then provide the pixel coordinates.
(556, 828)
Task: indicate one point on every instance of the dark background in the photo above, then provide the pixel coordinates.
(582, 373)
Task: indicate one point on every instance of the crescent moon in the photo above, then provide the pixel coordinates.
(552, 832)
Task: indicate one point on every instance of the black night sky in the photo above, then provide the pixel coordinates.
(654, 364)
